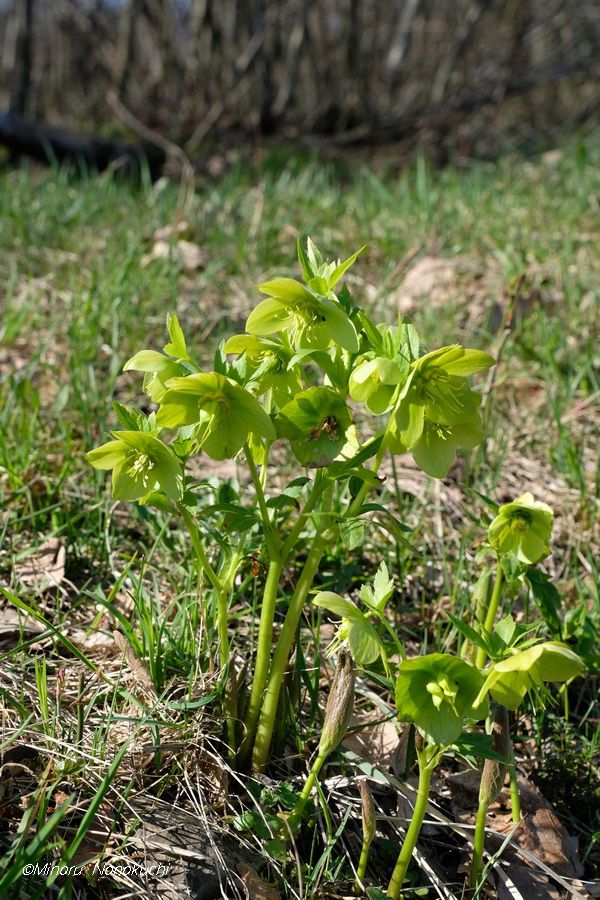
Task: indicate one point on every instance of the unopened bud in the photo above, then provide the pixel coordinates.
(340, 704)
(369, 822)
(494, 772)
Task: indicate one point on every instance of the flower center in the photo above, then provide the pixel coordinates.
(140, 466)
(442, 690)
(519, 523)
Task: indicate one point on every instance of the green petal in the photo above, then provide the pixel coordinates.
(468, 433)
(409, 421)
(363, 642)
(341, 328)
(531, 547)
(339, 605)
(558, 662)
(127, 486)
(178, 409)
(287, 289)
(433, 453)
(380, 400)
(268, 317)
(244, 343)
(148, 361)
(469, 363)
(108, 455)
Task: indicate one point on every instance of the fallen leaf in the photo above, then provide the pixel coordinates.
(379, 744)
(256, 887)
(45, 568)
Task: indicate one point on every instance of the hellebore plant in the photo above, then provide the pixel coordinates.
(440, 694)
(306, 352)
(519, 537)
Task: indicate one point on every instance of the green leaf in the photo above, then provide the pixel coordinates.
(305, 266)
(342, 268)
(547, 598)
(177, 347)
(469, 633)
(383, 586)
(352, 532)
(128, 417)
(505, 629)
(479, 745)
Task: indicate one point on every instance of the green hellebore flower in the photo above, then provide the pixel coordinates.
(312, 321)
(318, 425)
(140, 463)
(437, 693)
(374, 382)
(356, 630)
(438, 412)
(510, 679)
(523, 528)
(226, 412)
(269, 365)
(157, 369)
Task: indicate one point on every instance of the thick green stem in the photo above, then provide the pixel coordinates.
(490, 617)
(362, 865)
(271, 539)
(267, 616)
(478, 843)
(413, 831)
(308, 785)
(268, 712)
(263, 657)
(515, 800)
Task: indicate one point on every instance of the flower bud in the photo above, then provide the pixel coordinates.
(339, 705)
(369, 822)
(494, 772)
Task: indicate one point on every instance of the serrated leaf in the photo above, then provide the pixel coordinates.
(352, 532)
(505, 629)
(129, 418)
(547, 599)
(177, 346)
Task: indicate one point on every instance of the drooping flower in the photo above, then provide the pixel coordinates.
(510, 679)
(437, 693)
(312, 321)
(269, 365)
(157, 369)
(318, 425)
(226, 413)
(523, 528)
(140, 464)
(438, 412)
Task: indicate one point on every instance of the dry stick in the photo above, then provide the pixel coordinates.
(153, 137)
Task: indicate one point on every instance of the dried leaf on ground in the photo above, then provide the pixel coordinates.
(256, 887)
(540, 832)
(378, 743)
(45, 568)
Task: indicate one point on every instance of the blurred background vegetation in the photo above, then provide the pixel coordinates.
(453, 80)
